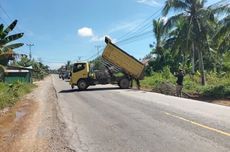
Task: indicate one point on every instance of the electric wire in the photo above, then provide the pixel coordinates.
(143, 25)
(18, 28)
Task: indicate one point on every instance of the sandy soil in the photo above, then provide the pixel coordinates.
(33, 124)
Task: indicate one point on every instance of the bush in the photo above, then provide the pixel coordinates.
(218, 91)
(218, 84)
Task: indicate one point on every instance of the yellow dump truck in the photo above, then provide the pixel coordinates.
(120, 68)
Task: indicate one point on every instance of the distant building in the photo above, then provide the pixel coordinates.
(22, 74)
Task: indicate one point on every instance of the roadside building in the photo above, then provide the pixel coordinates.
(21, 74)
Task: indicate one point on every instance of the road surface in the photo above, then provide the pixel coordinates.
(108, 119)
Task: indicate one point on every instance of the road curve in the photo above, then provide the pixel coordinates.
(108, 119)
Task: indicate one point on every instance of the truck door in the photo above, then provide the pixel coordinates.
(80, 70)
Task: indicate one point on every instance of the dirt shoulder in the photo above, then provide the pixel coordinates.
(33, 124)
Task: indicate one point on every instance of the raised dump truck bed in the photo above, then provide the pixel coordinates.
(123, 60)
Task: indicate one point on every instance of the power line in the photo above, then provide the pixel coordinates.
(140, 26)
(18, 28)
(136, 39)
(139, 32)
(4, 11)
(95, 55)
(3, 20)
(135, 36)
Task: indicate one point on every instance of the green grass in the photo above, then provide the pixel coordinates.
(10, 93)
(217, 85)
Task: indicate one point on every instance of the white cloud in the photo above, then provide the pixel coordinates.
(150, 2)
(85, 32)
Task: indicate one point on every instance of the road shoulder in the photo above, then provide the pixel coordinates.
(33, 123)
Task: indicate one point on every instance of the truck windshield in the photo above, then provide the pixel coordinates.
(78, 67)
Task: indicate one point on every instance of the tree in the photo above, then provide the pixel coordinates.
(6, 46)
(24, 62)
(197, 21)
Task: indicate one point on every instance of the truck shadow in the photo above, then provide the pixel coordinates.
(88, 90)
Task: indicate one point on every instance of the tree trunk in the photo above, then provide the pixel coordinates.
(193, 58)
(201, 63)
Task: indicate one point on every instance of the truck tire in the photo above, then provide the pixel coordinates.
(82, 85)
(124, 83)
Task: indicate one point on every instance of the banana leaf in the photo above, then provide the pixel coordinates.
(14, 46)
(2, 42)
(9, 28)
(1, 28)
(13, 37)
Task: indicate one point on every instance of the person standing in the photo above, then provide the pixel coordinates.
(180, 79)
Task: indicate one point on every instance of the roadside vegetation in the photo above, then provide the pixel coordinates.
(196, 39)
(217, 85)
(40, 71)
(10, 93)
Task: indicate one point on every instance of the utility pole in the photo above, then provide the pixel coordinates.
(30, 46)
(98, 47)
(79, 58)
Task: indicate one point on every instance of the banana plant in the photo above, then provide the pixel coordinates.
(6, 46)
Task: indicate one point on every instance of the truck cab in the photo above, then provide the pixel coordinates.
(80, 74)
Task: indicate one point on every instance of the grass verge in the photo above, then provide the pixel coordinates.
(10, 93)
(217, 85)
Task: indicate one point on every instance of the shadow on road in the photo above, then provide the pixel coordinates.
(90, 89)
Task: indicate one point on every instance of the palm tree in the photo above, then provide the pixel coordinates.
(159, 32)
(197, 20)
(222, 37)
(176, 41)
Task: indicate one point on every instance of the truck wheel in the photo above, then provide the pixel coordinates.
(124, 83)
(82, 85)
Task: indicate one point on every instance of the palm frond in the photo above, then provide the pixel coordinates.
(172, 21)
(175, 5)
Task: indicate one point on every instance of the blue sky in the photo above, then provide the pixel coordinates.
(64, 30)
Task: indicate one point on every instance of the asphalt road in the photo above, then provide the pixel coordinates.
(107, 119)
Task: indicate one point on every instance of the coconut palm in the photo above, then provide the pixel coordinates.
(222, 36)
(159, 33)
(197, 23)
